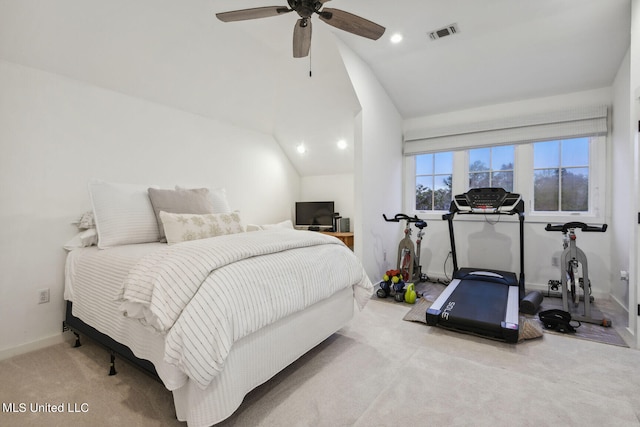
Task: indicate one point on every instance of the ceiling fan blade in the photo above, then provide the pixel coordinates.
(351, 23)
(255, 13)
(302, 38)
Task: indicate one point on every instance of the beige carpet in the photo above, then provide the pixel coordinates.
(377, 371)
(78, 379)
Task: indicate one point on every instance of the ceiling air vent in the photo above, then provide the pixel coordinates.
(449, 30)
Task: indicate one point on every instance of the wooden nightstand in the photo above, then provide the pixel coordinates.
(346, 237)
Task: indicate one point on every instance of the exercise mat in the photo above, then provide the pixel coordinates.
(587, 331)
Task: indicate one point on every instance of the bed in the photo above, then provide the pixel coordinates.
(214, 317)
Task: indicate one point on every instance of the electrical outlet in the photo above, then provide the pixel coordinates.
(43, 296)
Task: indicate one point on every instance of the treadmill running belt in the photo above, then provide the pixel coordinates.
(479, 305)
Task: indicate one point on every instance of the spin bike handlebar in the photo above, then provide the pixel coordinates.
(581, 225)
(404, 217)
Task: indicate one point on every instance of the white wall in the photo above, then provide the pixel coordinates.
(634, 108)
(337, 188)
(378, 169)
(621, 152)
(474, 237)
(57, 133)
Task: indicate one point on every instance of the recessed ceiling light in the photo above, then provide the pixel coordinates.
(301, 148)
(396, 38)
(342, 144)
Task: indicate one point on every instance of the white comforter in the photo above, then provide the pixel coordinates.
(206, 294)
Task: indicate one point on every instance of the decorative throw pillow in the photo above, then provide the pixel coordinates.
(183, 227)
(194, 201)
(86, 221)
(123, 214)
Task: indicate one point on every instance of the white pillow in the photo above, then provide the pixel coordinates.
(183, 227)
(123, 214)
(284, 224)
(82, 240)
(218, 198)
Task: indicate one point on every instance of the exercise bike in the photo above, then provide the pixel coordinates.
(571, 259)
(408, 253)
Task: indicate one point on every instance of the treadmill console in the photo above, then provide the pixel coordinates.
(487, 200)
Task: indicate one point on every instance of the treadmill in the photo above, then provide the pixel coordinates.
(478, 300)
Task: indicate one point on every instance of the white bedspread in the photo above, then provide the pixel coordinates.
(206, 294)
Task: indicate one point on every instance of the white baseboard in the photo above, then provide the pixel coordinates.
(619, 304)
(32, 346)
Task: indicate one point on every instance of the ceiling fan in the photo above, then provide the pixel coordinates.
(302, 31)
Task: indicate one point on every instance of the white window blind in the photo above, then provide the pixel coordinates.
(573, 123)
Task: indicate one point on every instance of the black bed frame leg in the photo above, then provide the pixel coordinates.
(77, 344)
(112, 370)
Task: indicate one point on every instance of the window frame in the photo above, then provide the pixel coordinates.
(598, 166)
(433, 175)
(491, 171)
(523, 183)
(558, 169)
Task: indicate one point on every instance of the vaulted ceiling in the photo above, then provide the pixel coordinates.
(178, 54)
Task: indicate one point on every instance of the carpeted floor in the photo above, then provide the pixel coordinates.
(77, 379)
(377, 371)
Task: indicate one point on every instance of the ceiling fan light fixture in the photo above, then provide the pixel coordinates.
(396, 38)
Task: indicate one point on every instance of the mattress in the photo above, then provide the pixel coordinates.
(93, 282)
(258, 357)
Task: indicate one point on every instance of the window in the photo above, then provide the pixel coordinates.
(491, 167)
(557, 179)
(433, 178)
(561, 175)
(556, 160)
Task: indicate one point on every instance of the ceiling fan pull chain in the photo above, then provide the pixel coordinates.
(309, 62)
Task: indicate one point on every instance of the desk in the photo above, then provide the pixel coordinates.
(346, 237)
